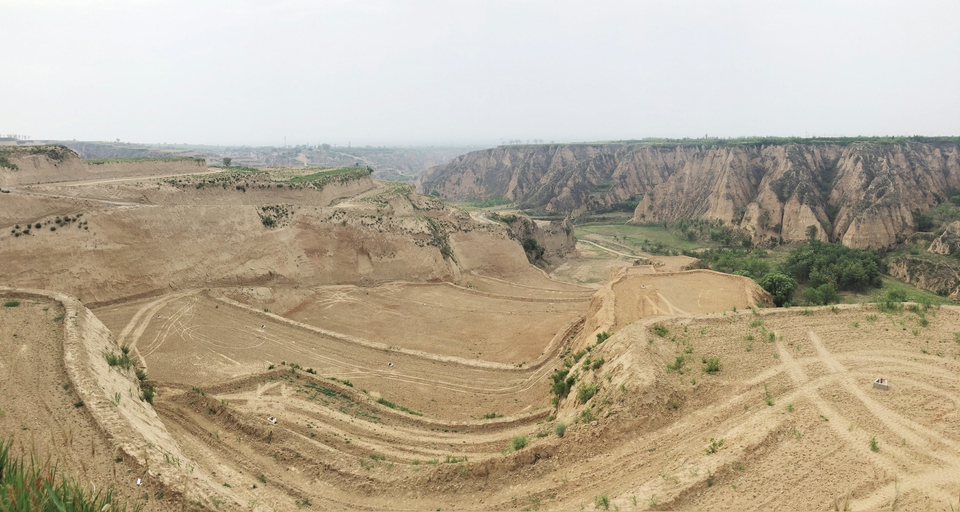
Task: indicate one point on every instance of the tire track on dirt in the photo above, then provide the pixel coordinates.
(928, 439)
(172, 322)
(893, 457)
(810, 391)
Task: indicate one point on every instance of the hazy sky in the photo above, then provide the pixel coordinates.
(448, 72)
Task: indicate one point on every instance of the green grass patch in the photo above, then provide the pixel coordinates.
(11, 303)
(490, 202)
(647, 238)
(712, 365)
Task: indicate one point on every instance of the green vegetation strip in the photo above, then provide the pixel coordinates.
(324, 177)
(99, 161)
(388, 403)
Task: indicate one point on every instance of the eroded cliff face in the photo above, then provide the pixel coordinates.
(862, 194)
(546, 243)
(949, 242)
(940, 277)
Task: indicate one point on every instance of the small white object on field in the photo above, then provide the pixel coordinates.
(138, 482)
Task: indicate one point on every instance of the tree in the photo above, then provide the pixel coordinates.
(922, 221)
(811, 232)
(780, 286)
(822, 295)
(226, 161)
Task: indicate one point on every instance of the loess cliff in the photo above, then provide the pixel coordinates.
(860, 193)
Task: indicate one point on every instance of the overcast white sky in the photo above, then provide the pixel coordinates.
(453, 72)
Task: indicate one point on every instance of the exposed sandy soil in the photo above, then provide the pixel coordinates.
(194, 339)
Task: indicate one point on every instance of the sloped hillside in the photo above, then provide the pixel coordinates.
(102, 250)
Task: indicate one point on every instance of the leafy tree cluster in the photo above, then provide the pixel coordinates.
(825, 269)
(817, 263)
(713, 231)
(627, 205)
(742, 262)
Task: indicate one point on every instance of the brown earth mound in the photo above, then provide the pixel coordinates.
(634, 293)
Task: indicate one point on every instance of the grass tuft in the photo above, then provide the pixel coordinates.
(36, 486)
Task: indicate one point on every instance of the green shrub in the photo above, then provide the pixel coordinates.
(562, 383)
(818, 263)
(11, 303)
(780, 286)
(518, 443)
(715, 445)
(660, 330)
(821, 295)
(711, 365)
(601, 502)
(585, 392)
(560, 429)
(677, 364)
(586, 416)
(147, 392)
(122, 360)
(602, 336)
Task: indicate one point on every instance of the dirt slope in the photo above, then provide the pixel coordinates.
(640, 292)
(111, 251)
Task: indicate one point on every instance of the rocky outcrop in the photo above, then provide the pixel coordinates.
(545, 243)
(942, 278)
(862, 194)
(948, 242)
